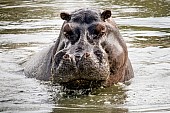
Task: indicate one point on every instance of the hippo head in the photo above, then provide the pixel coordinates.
(80, 61)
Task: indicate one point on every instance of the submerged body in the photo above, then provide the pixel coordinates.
(88, 53)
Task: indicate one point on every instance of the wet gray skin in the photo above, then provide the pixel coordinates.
(88, 53)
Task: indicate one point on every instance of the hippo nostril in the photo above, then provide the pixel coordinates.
(66, 56)
(86, 55)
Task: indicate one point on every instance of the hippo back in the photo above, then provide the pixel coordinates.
(39, 66)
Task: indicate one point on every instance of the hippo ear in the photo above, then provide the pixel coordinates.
(106, 14)
(65, 16)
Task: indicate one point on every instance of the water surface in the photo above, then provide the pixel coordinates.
(28, 26)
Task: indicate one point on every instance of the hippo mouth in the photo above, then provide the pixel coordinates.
(87, 71)
(78, 84)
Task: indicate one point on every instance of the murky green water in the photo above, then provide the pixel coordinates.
(27, 26)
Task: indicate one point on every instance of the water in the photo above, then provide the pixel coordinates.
(28, 26)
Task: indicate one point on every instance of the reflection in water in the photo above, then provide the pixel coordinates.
(162, 42)
(18, 10)
(27, 26)
(145, 8)
(7, 45)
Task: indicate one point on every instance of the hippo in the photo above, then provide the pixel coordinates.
(89, 53)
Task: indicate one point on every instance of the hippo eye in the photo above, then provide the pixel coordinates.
(68, 31)
(71, 36)
(100, 30)
(98, 35)
(97, 30)
(71, 33)
(68, 34)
